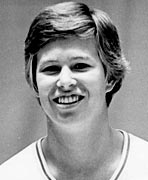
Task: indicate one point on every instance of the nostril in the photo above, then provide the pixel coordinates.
(66, 84)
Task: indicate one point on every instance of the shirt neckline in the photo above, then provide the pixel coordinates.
(42, 160)
(117, 172)
(124, 156)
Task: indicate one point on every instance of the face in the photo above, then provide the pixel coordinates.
(70, 79)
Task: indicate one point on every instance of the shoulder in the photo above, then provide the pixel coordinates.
(138, 146)
(21, 165)
(136, 166)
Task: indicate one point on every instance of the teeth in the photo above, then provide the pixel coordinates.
(59, 100)
(74, 98)
(69, 99)
(66, 100)
(62, 100)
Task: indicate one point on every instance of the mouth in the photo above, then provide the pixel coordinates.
(68, 100)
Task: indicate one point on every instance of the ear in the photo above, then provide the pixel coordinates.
(109, 85)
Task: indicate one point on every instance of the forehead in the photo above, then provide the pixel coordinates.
(67, 49)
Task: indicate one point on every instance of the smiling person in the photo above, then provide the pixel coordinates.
(74, 64)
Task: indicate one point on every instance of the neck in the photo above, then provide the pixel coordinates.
(80, 146)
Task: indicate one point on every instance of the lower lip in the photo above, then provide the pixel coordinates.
(69, 106)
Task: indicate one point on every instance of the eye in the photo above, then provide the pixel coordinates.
(51, 70)
(80, 67)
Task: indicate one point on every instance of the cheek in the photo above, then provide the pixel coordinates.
(44, 84)
(96, 85)
(94, 78)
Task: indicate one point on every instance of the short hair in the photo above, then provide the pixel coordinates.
(68, 19)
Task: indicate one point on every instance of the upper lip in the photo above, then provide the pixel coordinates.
(68, 94)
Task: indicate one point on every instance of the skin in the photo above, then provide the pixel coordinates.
(80, 143)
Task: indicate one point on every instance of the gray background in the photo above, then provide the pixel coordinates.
(21, 119)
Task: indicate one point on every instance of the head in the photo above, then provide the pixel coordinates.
(73, 19)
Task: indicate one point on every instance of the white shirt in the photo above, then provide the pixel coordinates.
(30, 163)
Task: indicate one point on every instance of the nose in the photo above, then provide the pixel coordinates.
(66, 81)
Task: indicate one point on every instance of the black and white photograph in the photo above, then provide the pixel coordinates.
(74, 90)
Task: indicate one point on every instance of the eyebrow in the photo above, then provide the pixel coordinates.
(79, 57)
(55, 61)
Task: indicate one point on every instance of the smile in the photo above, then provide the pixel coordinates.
(67, 100)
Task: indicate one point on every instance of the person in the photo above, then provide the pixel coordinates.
(74, 64)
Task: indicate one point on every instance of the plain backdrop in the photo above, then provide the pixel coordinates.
(21, 119)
